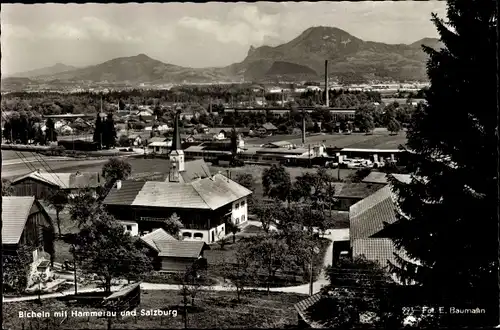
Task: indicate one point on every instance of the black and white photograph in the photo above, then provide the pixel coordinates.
(242, 165)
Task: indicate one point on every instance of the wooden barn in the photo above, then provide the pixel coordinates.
(41, 184)
(26, 223)
(171, 254)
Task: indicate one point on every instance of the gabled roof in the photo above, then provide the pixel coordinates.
(269, 126)
(123, 292)
(278, 144)
(126, 194)
(302, 308)
(382, 178)
(355, 190)
(180, 249)
(210, 193)
(157, 139)
(195, 169)
(381, 250)
(157, 235)
(376, 177)
(369, 216)
(15, 212)
(160, 144)
(65, 180)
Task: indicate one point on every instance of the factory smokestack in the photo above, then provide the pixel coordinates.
(303, 126)
(327, 96)
(282, 97)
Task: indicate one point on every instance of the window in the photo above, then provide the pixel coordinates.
(242, 218)
(198, 236)
(236, 206)
(128, 227)
(242, 203)
(186, 234)
(237, 220)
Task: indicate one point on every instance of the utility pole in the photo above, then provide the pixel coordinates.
(311, 274)
(74, 273)
(314, 251)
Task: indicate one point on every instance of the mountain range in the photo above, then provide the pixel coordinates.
(301, 58)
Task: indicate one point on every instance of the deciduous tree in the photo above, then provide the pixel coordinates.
(15, 269)
(269, 254)
(6, 187)
(58, 199)
(355, 287)
(276, 182)
(116, 169)
(105, 251)
(173, 225)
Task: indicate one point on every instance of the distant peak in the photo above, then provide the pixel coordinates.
(141, 55)
(251, 50)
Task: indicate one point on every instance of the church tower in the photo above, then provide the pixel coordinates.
(176, 154)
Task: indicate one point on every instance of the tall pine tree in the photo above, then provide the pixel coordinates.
(449, 218)
(109, 132)
(98, 131)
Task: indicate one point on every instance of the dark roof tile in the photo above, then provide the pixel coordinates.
(126, 194)
(369, 216)
(179, 249)
(15, 212)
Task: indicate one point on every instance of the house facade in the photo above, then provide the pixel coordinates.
(26, 223)
(267, 129)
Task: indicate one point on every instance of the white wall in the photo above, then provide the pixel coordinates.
(237, 213)
(135, 227)
(206, 235)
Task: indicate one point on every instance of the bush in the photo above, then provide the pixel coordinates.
(124, 141)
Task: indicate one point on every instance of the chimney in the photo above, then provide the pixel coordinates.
(327, 96)
(282, 97)
(118, 184)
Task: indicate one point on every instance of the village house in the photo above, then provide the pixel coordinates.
(348, 194)
(170, 254)
(370, 223)
(202, 128)
(159, 145)
(218, 133)
(204, 202)
(25, 223)
(41, 184)
(135, 140)
(267, 129)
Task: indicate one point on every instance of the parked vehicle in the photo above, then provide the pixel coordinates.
(331, 165)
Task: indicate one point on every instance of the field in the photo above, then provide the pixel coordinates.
(378, 140)
(215, 310)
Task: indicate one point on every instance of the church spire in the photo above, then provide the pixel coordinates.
(176, 140)
(176, 154)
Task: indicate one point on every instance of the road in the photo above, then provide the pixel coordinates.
(332, 234)
(16, 166)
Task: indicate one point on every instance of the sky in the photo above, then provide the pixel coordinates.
(192, 34)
